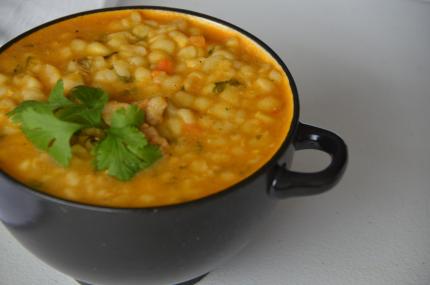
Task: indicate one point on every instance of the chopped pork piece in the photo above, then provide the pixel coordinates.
(154, 137)
(154, 109)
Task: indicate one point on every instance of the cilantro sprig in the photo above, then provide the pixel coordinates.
(50, 125)
(125, 149)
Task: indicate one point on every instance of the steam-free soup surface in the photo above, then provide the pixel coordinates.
(215, 104)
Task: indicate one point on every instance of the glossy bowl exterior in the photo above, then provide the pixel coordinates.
(143, 246)
(164, 245)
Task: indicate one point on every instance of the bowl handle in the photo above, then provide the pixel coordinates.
(286, 183)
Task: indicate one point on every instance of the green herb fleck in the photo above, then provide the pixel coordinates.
(126, 79)
(211, 51)
(18, 69)
(221, 85)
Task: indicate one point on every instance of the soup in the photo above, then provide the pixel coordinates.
(177, 108)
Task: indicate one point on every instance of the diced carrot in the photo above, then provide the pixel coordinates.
(192, 129)
(165, 65)
(198, 41)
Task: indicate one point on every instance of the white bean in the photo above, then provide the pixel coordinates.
(72, 178)
(264, 84)
(78, 45)
(142, 74)
(182, 24)
(231, 96)
(232, 42)
(66, 52)
(99, 62)
(251, 126)
(220, 110)
(263, 117)
(137, 61)
(72, 66)
(172, 83)
(183, 99)
(135, 17)
(223, 53)
(165, 45)
(175, 126)
(194, 31)
(27, 81)
(188, 52)
(157, 55)
(211, 63)
(126, 23)
(275, 75)
(116, 42)
(72, 80)
(180, 39)
(96, 48)
(3, 79)
(247, 71)
(3, 91)
(50, 74)
(25, 165)
(199, 166)
(105, 75)
(121, 68)
(201, 104)
(268, 104)
(227, 176)
(187, 116)
(141, 31)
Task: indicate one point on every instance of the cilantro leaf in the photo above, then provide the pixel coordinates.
(131, 116)
(56, 97)
(50, 125)
(111, 154)
(125, 150)
(150, 154)
(86, 107)
(16, 114)
(56, 100)
(48, 133)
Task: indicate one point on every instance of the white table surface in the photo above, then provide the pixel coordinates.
(363, 70)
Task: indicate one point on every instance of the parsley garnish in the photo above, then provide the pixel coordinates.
(50, 125)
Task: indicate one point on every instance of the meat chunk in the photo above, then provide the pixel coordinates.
(154, 109)
(154, 137)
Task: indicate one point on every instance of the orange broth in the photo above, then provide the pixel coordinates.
(229, 108)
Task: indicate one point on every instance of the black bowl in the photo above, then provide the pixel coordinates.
(171, 244)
